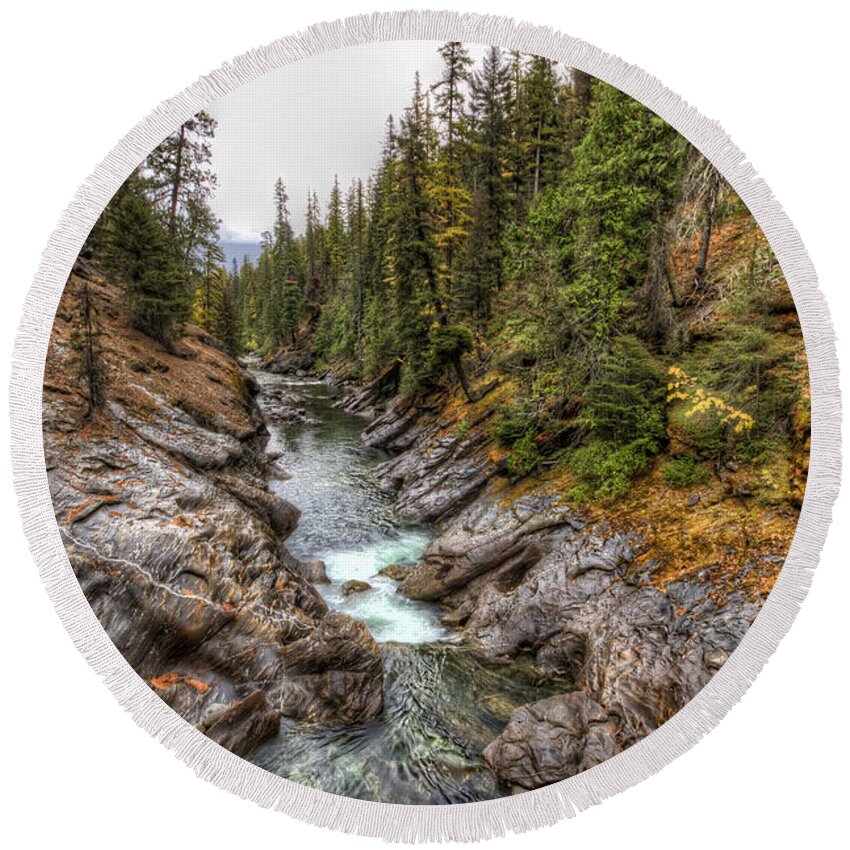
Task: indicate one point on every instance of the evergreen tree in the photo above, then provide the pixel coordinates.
(414, 273)
(141, 258)
(209, 288)
(228, 329)
(181, 182)
(334, 245)
(356, 260)
(543, 125)
(313, 259)
(491, 95)
(285, 293)
(379, 340)
(452, 200)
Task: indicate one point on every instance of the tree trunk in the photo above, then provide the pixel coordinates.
(457, 362)
(175, 188)
(539, 143)
(90, 354)
(709, 205)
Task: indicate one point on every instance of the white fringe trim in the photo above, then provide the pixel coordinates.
(463, 822)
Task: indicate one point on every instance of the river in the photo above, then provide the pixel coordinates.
(443, 703)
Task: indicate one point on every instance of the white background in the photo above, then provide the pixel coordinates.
(77, 76)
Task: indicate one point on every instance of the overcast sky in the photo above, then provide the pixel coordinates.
(306, 122)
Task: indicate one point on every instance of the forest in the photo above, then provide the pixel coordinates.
(527, 227)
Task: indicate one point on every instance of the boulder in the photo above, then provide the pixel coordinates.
(314, 571)
(354, 585)
(396, 572)
(551, 740)
(242, 725)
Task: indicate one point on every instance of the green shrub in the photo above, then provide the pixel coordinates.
(524, 457)
(626, 402)
(462, 429)
(684, 472)
(608, 468)
(704, 433)
(513, 422)
(624, 412)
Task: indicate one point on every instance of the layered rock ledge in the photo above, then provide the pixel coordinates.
(179, 546)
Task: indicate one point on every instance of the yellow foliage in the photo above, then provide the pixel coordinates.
(684, 387)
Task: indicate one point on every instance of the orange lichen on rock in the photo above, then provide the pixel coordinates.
(169, 680)
(87, 507)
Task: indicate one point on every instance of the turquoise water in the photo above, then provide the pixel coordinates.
(347, 520)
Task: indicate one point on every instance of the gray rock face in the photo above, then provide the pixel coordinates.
(178, 545)
(436, 471)
(530, 575)
(534, 579)
(551, 740)
(488, 538)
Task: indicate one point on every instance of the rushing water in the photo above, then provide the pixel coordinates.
(443, 704)
(347, 520)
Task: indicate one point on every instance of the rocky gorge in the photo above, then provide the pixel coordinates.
(583, 627)
(637, 606)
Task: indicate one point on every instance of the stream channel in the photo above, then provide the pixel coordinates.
(443, 702)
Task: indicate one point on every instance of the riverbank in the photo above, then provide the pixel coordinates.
(162, 503)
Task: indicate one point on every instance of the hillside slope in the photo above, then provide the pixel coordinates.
(162, 505)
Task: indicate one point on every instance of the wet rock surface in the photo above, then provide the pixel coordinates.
(282, 404)
(178, 545)
(355, 586)
(396, 572)
(551, 740)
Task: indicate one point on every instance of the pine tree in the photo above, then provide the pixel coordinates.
(180, 181)
(452, 200)
(544, 124)
(416, 290)
(285, 291)
(208, 290)
(356, 261)
(313, 260)
(379, 340)
(334, 241)
(249, 299)
(491, 94)
(140, 257)
(228, 328)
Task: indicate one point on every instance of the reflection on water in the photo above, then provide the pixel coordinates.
(443, 704)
